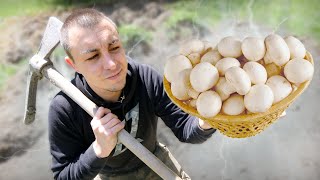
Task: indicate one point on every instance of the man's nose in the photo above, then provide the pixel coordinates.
(108, 62)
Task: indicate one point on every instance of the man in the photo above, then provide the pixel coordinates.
(130, 96)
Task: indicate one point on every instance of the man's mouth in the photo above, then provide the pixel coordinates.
(115, 75)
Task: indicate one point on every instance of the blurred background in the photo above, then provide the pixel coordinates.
(151, 32)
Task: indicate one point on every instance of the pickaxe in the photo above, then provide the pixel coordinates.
(40, 65)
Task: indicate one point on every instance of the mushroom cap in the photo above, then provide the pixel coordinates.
(297, 49)
(259, 99)
(298, 70)
(224, 64)
(180, 86)
(208, 46)
(224, 89)
(174, 65)
(193, 103)
(212, 57)
(192, 46)
(277, 50)
(233, 105)
(203, 76)
(194, 58)
(230, 47)
(280, 87)
(267, 59)
(239, 79)
(272, 69)
(256, 72)
(253, 48)
(208, 104)
(193, 93)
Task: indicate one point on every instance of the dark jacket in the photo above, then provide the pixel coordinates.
(71, 136)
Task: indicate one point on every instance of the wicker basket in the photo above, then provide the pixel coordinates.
(247, 125)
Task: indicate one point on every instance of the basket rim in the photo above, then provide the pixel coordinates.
(283, 104)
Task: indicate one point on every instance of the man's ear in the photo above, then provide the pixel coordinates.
(70, 63)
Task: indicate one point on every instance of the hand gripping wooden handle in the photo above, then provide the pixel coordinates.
(123, 136)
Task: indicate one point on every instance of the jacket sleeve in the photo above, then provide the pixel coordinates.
(70, 158)
(185, 127)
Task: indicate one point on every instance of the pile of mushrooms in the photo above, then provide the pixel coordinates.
(237, 77)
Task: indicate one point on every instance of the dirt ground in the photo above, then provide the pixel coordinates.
(286, 150)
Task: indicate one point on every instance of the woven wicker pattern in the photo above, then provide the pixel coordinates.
(247, 125)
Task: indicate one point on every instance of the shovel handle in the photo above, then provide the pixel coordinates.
(123, 136)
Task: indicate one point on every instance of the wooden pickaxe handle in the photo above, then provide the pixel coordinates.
(123, 136)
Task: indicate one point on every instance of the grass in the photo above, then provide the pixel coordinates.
(298, 17)
(22, 7)
(131, 34)
(181, 12)
(8, 70)
(10, 8)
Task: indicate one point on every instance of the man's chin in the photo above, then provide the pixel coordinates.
(116, 88)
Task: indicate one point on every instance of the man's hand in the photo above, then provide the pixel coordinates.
(105, 126)
(203, 124)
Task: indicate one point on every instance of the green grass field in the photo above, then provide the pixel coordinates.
(295, 16)
(298, 17)
(22, 7)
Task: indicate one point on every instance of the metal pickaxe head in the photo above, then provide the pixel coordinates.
(50, 40)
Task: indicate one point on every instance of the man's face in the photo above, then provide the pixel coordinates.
(99, 56)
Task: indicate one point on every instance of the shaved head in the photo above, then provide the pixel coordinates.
(83, 18)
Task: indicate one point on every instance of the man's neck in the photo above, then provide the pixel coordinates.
(113, 97)
(110, 96)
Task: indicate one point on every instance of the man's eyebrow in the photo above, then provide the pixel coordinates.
(114, 41)
(95, 50)
(88, 51)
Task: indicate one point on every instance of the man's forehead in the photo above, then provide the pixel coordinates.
(103, 32)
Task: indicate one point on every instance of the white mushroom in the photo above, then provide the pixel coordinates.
(224, 64)
(277, 50)
(256, 72)
(267, 59)
(298, 70)
(193, 103)
(193, 93)
(294, 87)
(192, 46)
(174, 65)
(239, 79)
(203, 76)
(224, 88)
(234, 105)
(208, 104)
(280, 87)
(230, 47)
(297, 49)
(207, 47)
(253, 48)
(259, 99)
(272, 69)
(194, 58)
(212, 57)
(179, 86)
